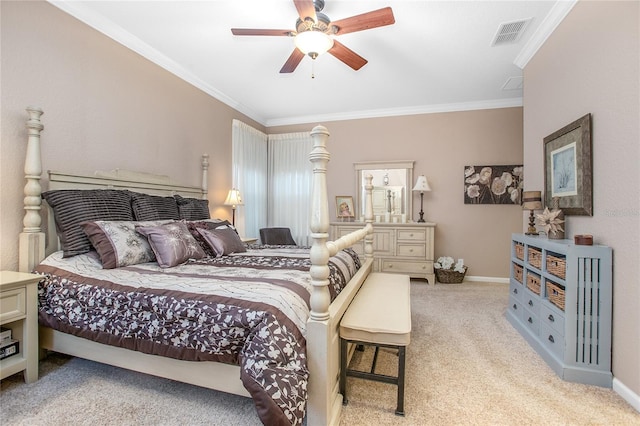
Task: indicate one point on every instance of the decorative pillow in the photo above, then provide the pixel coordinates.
(172, 243)
(74, 206)
(192, 208)
(193, 227)
(117, 242)
(223, 240)
(153, 207)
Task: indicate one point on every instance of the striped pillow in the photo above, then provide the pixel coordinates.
(193, 208)
(73, 206)
(153, 207)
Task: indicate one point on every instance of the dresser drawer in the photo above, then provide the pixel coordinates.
(531, 302)
(412, 235)
(13, 305)
(515, 307)
(406, 266)
(516, 291)
(552, 319)
(530, 320)
(412, 250)
(552, 340)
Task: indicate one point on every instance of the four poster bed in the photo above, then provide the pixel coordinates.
(276, 311)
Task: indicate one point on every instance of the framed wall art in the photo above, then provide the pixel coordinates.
(344, 206)
(493, 184)
(568, 170)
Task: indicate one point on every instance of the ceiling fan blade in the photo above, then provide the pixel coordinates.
(259, 32)
(347, 55)
(292, 62)
(306, 9)
(365, 21)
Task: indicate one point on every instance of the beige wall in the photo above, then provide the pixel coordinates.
(105, 107)
(441, 146)
(590, 64)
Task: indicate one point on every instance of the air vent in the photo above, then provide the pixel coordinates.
(510, 32)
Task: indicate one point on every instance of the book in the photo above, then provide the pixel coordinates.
(5, 334)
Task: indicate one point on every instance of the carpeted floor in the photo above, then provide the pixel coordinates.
(466, 365)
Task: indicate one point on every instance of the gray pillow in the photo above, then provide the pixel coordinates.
(223, 240)
(117, 242)
(74, 206)
(153, 207)
(171, 243)
(193, 208)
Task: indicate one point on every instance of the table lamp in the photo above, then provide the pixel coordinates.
(233, 199)
(531, 200)
(422, 185)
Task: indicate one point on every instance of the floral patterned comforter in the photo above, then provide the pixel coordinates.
(249, 309)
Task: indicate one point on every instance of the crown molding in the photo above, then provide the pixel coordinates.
(557, 13)
(393, 112)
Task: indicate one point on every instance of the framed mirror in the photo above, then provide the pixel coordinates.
(391, 187)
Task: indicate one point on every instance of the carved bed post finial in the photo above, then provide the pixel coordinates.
(319, 157)
(32, 239)
(205, 176)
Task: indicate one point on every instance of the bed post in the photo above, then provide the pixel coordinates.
(320, 404)
(32, 239)
(205, 176)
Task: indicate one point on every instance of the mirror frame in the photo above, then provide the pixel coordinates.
(407, 165)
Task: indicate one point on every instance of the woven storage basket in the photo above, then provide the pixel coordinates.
(535, 257)
(517, 272)
(449, 276)
(555, 293)
(533, 283)
(556, 266)
(519, 250)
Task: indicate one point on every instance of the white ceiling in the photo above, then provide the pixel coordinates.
(438, 56)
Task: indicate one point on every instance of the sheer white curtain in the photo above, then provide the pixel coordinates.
(249, 169)
(290, 183)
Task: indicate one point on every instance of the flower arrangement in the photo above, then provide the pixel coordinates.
(449, 272)
(550, 221)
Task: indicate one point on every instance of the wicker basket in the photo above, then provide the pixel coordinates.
(449, 276)
(556, 266)
(519, 248)
(555, 294)
(533, 283)
(535, 257)
(517, 272)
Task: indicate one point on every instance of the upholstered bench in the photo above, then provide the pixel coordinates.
(380, 316)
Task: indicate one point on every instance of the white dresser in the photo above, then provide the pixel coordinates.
(404, 248)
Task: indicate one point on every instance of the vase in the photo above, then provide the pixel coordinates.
(558, 235)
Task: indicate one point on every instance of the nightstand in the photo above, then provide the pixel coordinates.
(19, 312)
(249, 240)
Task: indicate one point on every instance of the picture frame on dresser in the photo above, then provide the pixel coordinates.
(344, 206)
(568, 168)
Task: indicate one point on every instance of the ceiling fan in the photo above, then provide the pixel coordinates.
(314, 33)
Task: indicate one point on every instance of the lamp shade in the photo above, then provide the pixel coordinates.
(313, 43)
(421, 184)
(532, 200)
(233, 198)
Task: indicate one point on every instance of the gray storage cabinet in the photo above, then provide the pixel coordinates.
(560, 302)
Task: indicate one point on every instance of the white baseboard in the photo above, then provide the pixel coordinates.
(501, 280)
(627, 394)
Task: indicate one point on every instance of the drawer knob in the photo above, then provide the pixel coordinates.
(530, 302)
(551, 339)
(411, 251)
(551, 318)
(515, 291)
(530, 320)
(515, 307)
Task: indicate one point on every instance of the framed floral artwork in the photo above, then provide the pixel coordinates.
(568, 168)
(493, 184)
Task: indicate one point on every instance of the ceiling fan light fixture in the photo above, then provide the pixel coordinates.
(313, 43)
